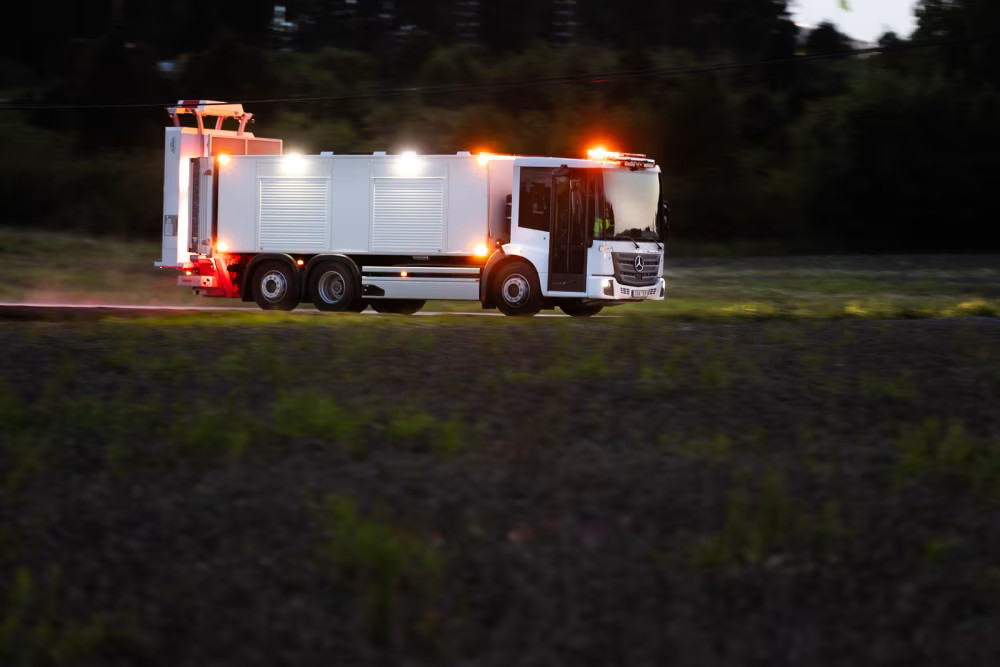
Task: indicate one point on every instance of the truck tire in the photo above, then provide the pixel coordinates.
(397, 306)
(276, 286)
(516, 289)
(334, 288)
(577, 308)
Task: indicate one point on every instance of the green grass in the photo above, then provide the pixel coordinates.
(394, 575)
(52, 267)
(55, 267)
(933, 449)
(758, 523)
(34, 631)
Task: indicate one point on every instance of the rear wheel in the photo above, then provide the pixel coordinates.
(578, 308)
(516, 289)
(334, 288)
(276, 286)
(397, 306)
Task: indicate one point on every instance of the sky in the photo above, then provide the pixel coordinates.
(866, 20)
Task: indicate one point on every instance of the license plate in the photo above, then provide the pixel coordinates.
(638, 292)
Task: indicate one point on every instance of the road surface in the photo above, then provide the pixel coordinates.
(77, 311)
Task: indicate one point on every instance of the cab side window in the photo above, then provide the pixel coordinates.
(536, 198)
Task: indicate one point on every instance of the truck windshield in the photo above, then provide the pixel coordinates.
(633, 199)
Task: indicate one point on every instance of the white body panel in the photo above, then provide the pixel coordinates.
(434, 205)
(351, 178)
(180, 144)
(416, 287)
(501, 184)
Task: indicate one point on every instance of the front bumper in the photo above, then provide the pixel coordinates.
(608, 288)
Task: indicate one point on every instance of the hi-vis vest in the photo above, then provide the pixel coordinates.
(601, 224)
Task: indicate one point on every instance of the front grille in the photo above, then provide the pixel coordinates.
(627, 274)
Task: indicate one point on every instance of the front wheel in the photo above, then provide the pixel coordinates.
(333, 287)
(580, 309)
(276, 286)
(397, 306)
(516, 289)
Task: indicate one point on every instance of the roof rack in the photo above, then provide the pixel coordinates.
(201, 108)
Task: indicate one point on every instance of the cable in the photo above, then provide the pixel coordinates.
(595, 78)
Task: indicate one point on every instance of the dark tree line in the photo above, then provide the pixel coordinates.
(747, 27)
(888, 152)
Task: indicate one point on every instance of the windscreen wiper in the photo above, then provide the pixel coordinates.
(622, 237)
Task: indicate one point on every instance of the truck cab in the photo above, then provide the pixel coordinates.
(593, 228)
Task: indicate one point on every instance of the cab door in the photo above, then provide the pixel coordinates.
(570, 233)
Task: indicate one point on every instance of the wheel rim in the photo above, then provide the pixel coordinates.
(332, 287)
(516, 290)
(273, 285)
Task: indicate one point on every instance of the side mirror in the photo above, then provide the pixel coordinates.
(663, 220)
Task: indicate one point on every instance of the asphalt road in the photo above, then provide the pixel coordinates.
(76, 311)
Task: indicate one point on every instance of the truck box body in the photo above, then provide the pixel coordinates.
(359, 204)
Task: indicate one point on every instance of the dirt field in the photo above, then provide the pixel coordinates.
(260, 489)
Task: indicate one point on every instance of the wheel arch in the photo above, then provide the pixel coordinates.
(497, 261)
(319, 259)
(247, 277)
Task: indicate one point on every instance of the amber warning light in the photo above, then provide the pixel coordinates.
(600, 154)
(631, 160)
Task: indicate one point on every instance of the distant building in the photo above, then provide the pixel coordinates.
(344, 12)
(466, 15)
(282, 30)
(565, 21)
(387, 13)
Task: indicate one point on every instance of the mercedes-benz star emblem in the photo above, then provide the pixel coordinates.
(638, 263)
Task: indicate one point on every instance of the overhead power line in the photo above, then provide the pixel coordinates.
(593, 78)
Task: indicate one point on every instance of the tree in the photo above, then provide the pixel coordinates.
(898, 165)
(968, 28)
(825, 38)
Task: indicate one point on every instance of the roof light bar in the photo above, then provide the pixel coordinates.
(630, 160)
(601, 154)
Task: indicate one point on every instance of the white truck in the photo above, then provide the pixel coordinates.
(242, 219)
